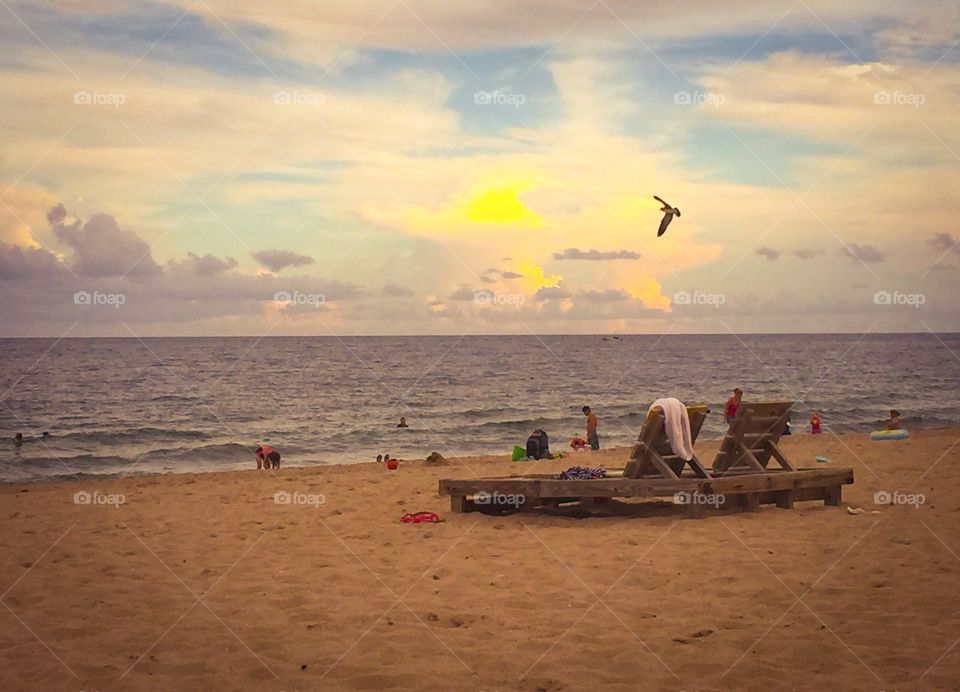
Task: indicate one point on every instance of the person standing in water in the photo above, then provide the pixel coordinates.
(402, 423)
(593, 439)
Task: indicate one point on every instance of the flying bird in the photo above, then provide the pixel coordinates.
(668, 213)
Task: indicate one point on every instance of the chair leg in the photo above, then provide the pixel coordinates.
(747, 458)
(782, 460)
(662, 466)
(698, 468)
(832, 496)
(784, 499)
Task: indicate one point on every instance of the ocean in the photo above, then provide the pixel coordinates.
(96, 407)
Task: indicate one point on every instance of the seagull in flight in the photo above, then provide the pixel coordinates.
(668, 214)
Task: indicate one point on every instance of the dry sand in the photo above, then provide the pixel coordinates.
(202, 581)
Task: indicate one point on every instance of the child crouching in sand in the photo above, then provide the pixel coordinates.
(267, 457)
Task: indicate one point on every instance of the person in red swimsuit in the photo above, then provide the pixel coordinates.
(732, 406)
(262, 453)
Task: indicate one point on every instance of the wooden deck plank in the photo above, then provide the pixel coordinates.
(734, 484)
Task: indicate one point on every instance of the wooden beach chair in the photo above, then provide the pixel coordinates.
(652, 455)
(751, 441)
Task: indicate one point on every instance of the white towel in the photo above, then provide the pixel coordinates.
(677, 426)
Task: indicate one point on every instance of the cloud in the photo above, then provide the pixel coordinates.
(806, 253)
(768, 252)
(944, 242)
(863, 253)
(396, 291)
(205, 265)
(490, 276)
(551, 293)
(463, 294)
(943, 268)
(572, 253)
(608, 296)
(101, 248)
(20, 263)
(277, 260)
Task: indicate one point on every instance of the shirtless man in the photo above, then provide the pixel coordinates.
(592, 438)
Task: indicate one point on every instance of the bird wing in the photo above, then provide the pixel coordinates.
(677, 211)
(660, 200)
(667, 218)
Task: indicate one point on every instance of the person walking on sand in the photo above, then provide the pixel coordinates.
(593, 439)
(732, 406)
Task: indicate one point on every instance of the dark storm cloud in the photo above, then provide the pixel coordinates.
(277, 260)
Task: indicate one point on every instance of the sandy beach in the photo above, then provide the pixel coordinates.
(204, 580)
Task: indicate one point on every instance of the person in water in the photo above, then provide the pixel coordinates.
(732, 406)
(264, 455)
(18, 439)
(402, 423)
(592, 437)
(894, 421)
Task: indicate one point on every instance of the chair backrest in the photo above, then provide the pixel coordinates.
(653, 438)
(758, 427)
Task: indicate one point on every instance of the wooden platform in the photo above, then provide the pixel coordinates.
(745, 491)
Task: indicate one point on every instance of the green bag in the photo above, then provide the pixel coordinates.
(519, 452)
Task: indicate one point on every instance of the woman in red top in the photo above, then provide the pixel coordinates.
(261, 453)
(733, 405)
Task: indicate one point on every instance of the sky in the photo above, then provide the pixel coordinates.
(221, 167)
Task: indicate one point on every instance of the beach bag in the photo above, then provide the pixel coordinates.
(538, 445)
